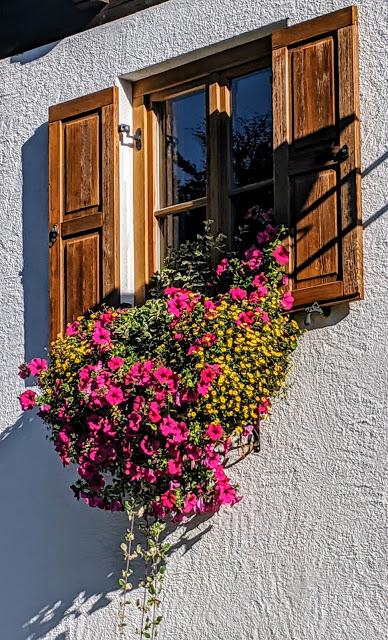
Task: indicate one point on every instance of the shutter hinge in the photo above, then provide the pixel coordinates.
(315, 308)
(125, 129)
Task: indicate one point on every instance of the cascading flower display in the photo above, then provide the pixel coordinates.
(148, 401)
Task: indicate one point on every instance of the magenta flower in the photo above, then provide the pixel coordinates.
(254, 258)
(238, 294)
(287, 300)
(209, 305)
(222, 266)
(98, 455)
(174, 468)
(280, 254)
(168, 499)
(37, 365)
(114, 395)
(202, 388)
(189, 504)
(138, 403)
(27, 399)
(24, 371)
(154, 413)
(115, 363)
(214, 432)
(163, 375)
(72, 329)
(100, 335)
(263, 407)
(134, 421)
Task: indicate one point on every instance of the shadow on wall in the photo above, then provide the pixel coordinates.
(35, 244)
(57, 554)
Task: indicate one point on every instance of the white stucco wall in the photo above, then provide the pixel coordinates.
(302, 556)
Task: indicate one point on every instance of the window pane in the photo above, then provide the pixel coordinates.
(183, 152)
(252, 127)
(242, 204)
(181, 227)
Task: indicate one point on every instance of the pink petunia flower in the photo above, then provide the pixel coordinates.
(287, 300)
(254, 258)
(174, 468)
(37, 365)
(189, 504)
(168, 499)
(163, 375)
(101, 336)
(209, 305)
(27, 399)
(238, 294)
(222, 266)
(214, 432)
(154, 412)
(115, 363)
(115, 395)
(72, 329)
(280, 254)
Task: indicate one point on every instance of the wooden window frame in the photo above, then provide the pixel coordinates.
(213, 73)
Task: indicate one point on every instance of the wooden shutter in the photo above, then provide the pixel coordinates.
(317, 155)
(83, 206)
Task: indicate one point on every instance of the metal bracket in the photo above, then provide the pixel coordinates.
(126, 129)
(315, 308)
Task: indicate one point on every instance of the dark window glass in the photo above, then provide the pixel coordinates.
(178, 228)
(183, 142)
(251, 127)
(242, 205)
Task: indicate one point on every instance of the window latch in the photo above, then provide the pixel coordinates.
(125, 129)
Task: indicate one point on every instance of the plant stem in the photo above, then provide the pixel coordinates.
(131, 518)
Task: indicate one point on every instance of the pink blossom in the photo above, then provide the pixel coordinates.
(238, 294)
(170, 291)
(214, 432)
(44, 409)
(72, 329)
(27, 399)
(168, 426)
(209, 372)
(285, 280)
(37, 366)
(193, 452)
(262, 238)
(287, 300)
(265, 317)
(138, 403)
(114, 395)
(222, 266)
(24, 371)
(134, 421)
(115, 505)
(254, 258)
(115, 363)
(140, 373)
(178, 336)
(148, 446)
(178, 303)
(133, 471)
(259, 280)
(189, 504)
(209, 305)
(174, 468)
(263, 407)
(98, 455)
(246, 317)
(280, 254)
(154, 413)
(163, 375)
(105, 318)
(202, 388)
(168, 499)
(101, 336)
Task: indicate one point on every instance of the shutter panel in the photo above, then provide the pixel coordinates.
(83, 206)
(317, 156)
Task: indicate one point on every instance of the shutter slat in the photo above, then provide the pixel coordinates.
(83, 203)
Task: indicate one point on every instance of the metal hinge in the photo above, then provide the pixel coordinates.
(125, 129)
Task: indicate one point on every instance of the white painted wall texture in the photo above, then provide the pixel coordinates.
(302, 556)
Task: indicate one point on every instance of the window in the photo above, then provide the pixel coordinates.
(270, 123)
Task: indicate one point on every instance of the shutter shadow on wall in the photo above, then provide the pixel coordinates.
(317, 155)
(83, 206)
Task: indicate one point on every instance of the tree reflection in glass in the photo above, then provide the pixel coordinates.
(183, 166)
(251, 127)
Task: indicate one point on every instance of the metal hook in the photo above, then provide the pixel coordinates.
(125, 128)
(315, 308)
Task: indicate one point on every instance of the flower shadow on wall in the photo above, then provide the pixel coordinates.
(59, 559)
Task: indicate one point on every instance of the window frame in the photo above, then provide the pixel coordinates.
(214, 73)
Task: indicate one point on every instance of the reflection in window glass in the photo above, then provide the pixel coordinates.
(178, 228)
(242, 204)
(252, 127)
(183, 165)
